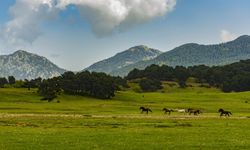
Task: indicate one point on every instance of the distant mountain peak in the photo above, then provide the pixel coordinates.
(21, 52)
(125, 58)
(24, 65)
(243, 37)
(139, 47)
(196, 54)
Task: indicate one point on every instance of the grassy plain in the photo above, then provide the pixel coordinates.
(87, 123)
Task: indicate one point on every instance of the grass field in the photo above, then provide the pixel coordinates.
(88, 123)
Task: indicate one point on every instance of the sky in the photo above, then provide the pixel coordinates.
(74, 34)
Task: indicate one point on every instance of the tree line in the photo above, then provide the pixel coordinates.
(232, 77)
(99, 85)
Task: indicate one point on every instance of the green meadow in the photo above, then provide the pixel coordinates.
(78, 122)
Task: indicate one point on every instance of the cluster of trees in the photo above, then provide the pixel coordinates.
(99, 85)
(10, 80)
(233, 77)
(150, 85)
(161, 73)
(93, 84)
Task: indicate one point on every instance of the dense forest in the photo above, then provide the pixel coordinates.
(234, 77)
(230, 78)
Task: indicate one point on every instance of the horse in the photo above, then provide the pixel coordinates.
(143, 109)
(180, 110)
(167, 110)
(194, 111)
(223, 112)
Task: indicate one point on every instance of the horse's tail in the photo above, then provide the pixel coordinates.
(150, 110)
(230, 113)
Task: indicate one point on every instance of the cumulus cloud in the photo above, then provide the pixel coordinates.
(104, 16)
(227, 36)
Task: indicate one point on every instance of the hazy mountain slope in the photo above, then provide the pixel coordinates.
(24, 65)
(125, 58)
(195, 54)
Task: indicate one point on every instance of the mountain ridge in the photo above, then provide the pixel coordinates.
(25, 65)
(191, 54)
(124, 58)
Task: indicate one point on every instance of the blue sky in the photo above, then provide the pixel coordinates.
(72, 41)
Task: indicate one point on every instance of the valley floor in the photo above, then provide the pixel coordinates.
(88, 123)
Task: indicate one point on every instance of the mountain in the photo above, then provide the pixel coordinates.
(194, 54)
(125, 58)
(24, 65)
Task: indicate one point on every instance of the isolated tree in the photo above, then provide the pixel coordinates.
(11, 80)
(49, 89)
(3, 81)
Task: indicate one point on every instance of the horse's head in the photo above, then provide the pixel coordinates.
(142, 108)
(220, 110)
(164, 109)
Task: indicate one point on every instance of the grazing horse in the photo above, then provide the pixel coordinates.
(223, 112)
(167, 110)
(143, 109)
(194, 111)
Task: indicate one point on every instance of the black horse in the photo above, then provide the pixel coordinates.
(223, 112)
(143, 109)
(167, 110)
(194, 111)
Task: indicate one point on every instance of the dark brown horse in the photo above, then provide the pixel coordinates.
(143, 109)
(194, 111)
(223, 112)
(167, 110)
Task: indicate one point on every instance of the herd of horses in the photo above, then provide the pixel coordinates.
(189, 111)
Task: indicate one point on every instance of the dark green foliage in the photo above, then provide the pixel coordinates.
(233, 77)
(150, 85)
(134, 74)
(161, 73)
(3, 81)
(11, 80)
(199, 72)
(49, 89)
(98, 85)
(181, 74)
(34, 83)
(120, 82)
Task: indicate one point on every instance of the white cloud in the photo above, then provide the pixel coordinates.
(227, 36)
(104, 16)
